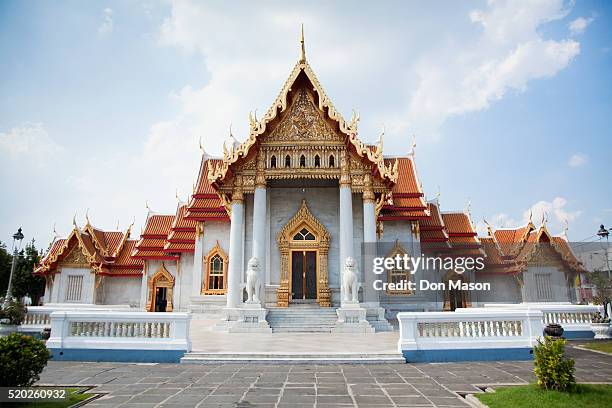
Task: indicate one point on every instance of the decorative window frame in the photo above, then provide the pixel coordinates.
(398, 250)
(216, 250)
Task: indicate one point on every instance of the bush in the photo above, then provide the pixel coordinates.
(14, 313)
(552, 369)
(22, 359)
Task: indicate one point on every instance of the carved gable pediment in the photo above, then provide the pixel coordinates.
(75, 258)
(303, 122)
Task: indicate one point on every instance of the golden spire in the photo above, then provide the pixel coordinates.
(303, 58)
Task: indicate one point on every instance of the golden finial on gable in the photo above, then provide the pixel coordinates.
(87, 217)
(303, 56)
(489, 229)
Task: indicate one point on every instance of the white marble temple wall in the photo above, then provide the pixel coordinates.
(120, 290)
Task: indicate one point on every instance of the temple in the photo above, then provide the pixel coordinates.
(271, 225)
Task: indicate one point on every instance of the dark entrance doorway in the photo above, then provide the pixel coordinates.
(160, 299)
(455, 299)
(303, 275)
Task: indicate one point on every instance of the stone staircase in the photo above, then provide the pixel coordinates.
(196, 357)
(302, 318)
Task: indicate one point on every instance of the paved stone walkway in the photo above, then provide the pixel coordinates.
(236, 385)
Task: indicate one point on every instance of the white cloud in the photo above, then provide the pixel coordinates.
(509, 52)
(107, 25)
(578, 25)
(30, 142)
(555, 212)
(577, 160)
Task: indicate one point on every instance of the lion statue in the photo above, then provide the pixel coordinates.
(350, 280)
(252, 280)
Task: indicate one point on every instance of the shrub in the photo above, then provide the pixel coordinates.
(14, 313)
(22, 359)
(552, 369)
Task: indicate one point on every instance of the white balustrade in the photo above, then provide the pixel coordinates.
(38, 317)
(119, 330)
(573, 318)
(470, 329)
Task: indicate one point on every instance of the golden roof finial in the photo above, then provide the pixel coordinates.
(87, 216)
(147, 206)
(303, 57)
(55, 234)
(468, 207)
(489, 229)
(74, 221)
(565, 229)
(117, 228)
(438, 195)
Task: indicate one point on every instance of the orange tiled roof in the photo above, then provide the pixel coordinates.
(153, 239)
(205, 203)
(158, 225)
(407, 201)
(182, 234)
(432, 228)
(108, 252)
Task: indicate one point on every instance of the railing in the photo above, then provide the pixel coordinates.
(38, 317)
(470, 329)
(119, 330)
(573, 318)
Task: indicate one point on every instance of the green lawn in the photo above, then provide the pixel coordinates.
(605, 346)
(74, 395)
(529, 396)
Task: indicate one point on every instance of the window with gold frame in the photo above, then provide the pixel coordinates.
(215, 272)
(398, 275)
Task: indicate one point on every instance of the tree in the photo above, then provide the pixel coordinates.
(604, 289)
(24, 282)
(5, 268)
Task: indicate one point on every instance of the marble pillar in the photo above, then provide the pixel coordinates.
(346, 216)
(234, 292)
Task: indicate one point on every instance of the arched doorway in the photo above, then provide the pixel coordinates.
(304, 246)
(161, 287)
(455, 298)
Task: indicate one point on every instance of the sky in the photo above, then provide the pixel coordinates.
(103, 103)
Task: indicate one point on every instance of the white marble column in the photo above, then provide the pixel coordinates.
(259, 222)
(234, 293)
(370, 295)
(346, 215)
(198, 261)
(144, 287)
(369, 212)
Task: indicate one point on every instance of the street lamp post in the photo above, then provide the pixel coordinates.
(16, 237)
(604, 233)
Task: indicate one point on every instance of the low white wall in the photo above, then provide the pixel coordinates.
(116, 330)
(39, 317)
(470, 329)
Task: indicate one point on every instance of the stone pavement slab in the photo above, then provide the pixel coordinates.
(256, 385)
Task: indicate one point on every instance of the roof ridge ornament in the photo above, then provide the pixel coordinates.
(303, 48)
(412, 151)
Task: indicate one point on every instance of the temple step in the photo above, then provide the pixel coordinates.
(293, 358)
(302, 318)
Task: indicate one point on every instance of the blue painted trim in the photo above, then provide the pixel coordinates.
(454, 355)
(113, 355)
(578, 334)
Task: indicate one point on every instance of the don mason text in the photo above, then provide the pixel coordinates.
(423, 284)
